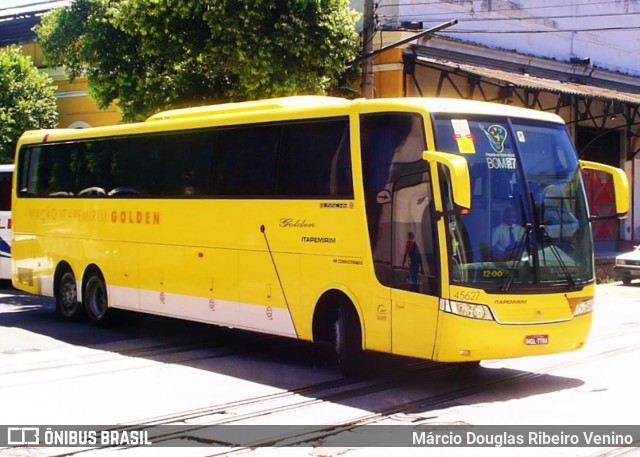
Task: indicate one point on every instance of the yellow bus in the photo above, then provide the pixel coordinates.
(368, 224)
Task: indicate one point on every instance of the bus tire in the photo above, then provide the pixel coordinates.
(67, 296)
(348, 341)
(95, 299)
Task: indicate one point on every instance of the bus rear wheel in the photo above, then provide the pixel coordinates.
(348, 341)
(67, 296)
(95, 299)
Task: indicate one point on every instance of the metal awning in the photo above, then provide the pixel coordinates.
(18, 19)
(526, 81)
(19, 7)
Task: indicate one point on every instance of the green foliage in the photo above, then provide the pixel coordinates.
(27, 100)
(156, 54)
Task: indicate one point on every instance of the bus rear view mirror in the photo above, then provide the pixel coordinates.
(459, 172)
(603, 179)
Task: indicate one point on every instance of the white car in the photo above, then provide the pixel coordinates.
(628, 265)
(560, 223)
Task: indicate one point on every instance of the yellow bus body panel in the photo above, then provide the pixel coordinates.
(463, 339)
(518, 318)
(216, 261)
(264, 264)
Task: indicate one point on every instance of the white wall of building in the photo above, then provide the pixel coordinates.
(606, 31)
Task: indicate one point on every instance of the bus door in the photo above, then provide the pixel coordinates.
(398, 199)
(414, 294)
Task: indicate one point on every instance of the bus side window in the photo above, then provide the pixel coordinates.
(61, 180)
(314, 160)
(93, 169)
(5, 191)
(392, 146)
(196, 171)
(122, 164)
(247, 161)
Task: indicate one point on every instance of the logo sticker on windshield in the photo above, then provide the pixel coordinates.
(463, 136)
(496, 135)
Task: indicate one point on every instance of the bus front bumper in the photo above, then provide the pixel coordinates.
(463, 339)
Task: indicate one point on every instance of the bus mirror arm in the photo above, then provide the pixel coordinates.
(460, 179)
(594, 218)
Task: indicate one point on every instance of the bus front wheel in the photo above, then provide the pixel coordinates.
(95, 299)
(67, 296)
(348, 341)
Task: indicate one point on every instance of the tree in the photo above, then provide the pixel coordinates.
(27, 100)
(156, 54)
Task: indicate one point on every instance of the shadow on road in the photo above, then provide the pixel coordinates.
(279, 362)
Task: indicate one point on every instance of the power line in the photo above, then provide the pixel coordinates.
(496, 19)
(602, 29)
(383, 4)
(433, 17)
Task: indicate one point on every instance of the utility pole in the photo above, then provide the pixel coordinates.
(368, 53)
(368, 33)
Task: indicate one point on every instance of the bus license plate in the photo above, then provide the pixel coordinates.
(534, 340)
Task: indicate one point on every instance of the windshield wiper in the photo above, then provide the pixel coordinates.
(556, 253)
(517, 257)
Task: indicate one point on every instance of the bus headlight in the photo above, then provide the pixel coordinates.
(583, 307)
(471, 310)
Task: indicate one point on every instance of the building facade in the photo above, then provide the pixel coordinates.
(75, 107)
(576, 60)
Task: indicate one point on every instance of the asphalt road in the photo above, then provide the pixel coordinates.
(147, 371)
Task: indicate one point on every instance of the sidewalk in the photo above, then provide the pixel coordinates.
(605, 254)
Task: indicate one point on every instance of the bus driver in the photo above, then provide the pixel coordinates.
(506, 237)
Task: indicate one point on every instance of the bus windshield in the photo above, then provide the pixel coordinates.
(528, 225)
